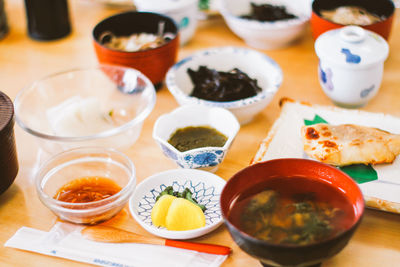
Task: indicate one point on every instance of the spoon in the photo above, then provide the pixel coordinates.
(131, 83)
(109, 234)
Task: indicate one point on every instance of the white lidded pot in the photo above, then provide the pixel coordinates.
(183, 12)
(351, 63)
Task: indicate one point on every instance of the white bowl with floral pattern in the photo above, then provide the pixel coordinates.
(206, 188)
(205, 158)
(256, 65)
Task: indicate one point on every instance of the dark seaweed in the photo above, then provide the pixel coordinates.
(210, 84)
(267, 12)
(263, 202)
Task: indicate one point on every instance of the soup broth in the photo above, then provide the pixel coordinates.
(87, 189)
(292, 210)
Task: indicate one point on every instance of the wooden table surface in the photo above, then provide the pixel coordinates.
(22, 61)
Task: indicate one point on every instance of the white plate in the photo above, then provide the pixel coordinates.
(205, 186)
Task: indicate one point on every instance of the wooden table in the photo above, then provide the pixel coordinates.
(22, 60)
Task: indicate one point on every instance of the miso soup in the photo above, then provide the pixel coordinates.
(292, 211)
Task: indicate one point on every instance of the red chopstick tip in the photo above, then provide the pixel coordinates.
(200, 247)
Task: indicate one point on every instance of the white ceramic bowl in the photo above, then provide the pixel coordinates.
(206, 158)
(255, 64)
(266, 35)
(42, 108)
(184, 13)
(206, 188)
(351, 61)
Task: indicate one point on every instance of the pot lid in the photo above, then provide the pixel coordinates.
(352, 47)
(6, 116)
(163, 6)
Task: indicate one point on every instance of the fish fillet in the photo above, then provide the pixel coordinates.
(348, 144)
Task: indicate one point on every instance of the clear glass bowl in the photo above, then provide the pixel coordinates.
(86, 162)
(123, 94)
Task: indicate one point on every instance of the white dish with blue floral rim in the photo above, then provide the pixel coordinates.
(205, 158)
(255, 64)
(205, 186)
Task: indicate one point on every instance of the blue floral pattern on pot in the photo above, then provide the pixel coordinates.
(364, 93)
(326, 77)
(204, 158)
(204, 194)
(350, 57)
(195, 159)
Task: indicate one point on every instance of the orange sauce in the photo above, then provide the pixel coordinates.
(87, 189)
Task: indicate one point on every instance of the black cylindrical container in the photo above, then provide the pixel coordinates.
(47, 19)
(8, 152)
(3, 20)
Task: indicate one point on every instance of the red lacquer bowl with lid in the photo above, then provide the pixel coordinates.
(382, 8)
(154, 62)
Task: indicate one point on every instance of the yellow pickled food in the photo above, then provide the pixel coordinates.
(177, 214)
(184, 215)
(160, 210)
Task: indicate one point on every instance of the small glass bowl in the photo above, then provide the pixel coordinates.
(86, 162)
(124, 92)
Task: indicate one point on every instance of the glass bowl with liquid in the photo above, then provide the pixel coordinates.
(86, 185)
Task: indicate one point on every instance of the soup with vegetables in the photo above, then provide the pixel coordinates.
(292, 211)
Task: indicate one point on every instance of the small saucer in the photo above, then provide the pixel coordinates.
(205, 186)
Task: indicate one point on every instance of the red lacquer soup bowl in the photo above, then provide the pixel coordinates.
(300, 176)
(154, 62)
(382, 8)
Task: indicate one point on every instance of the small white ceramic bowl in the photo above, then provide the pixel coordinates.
(351, 61)
(184, 13)
(266, 35)
(205, 158)
(255, 64)
(206, 188)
